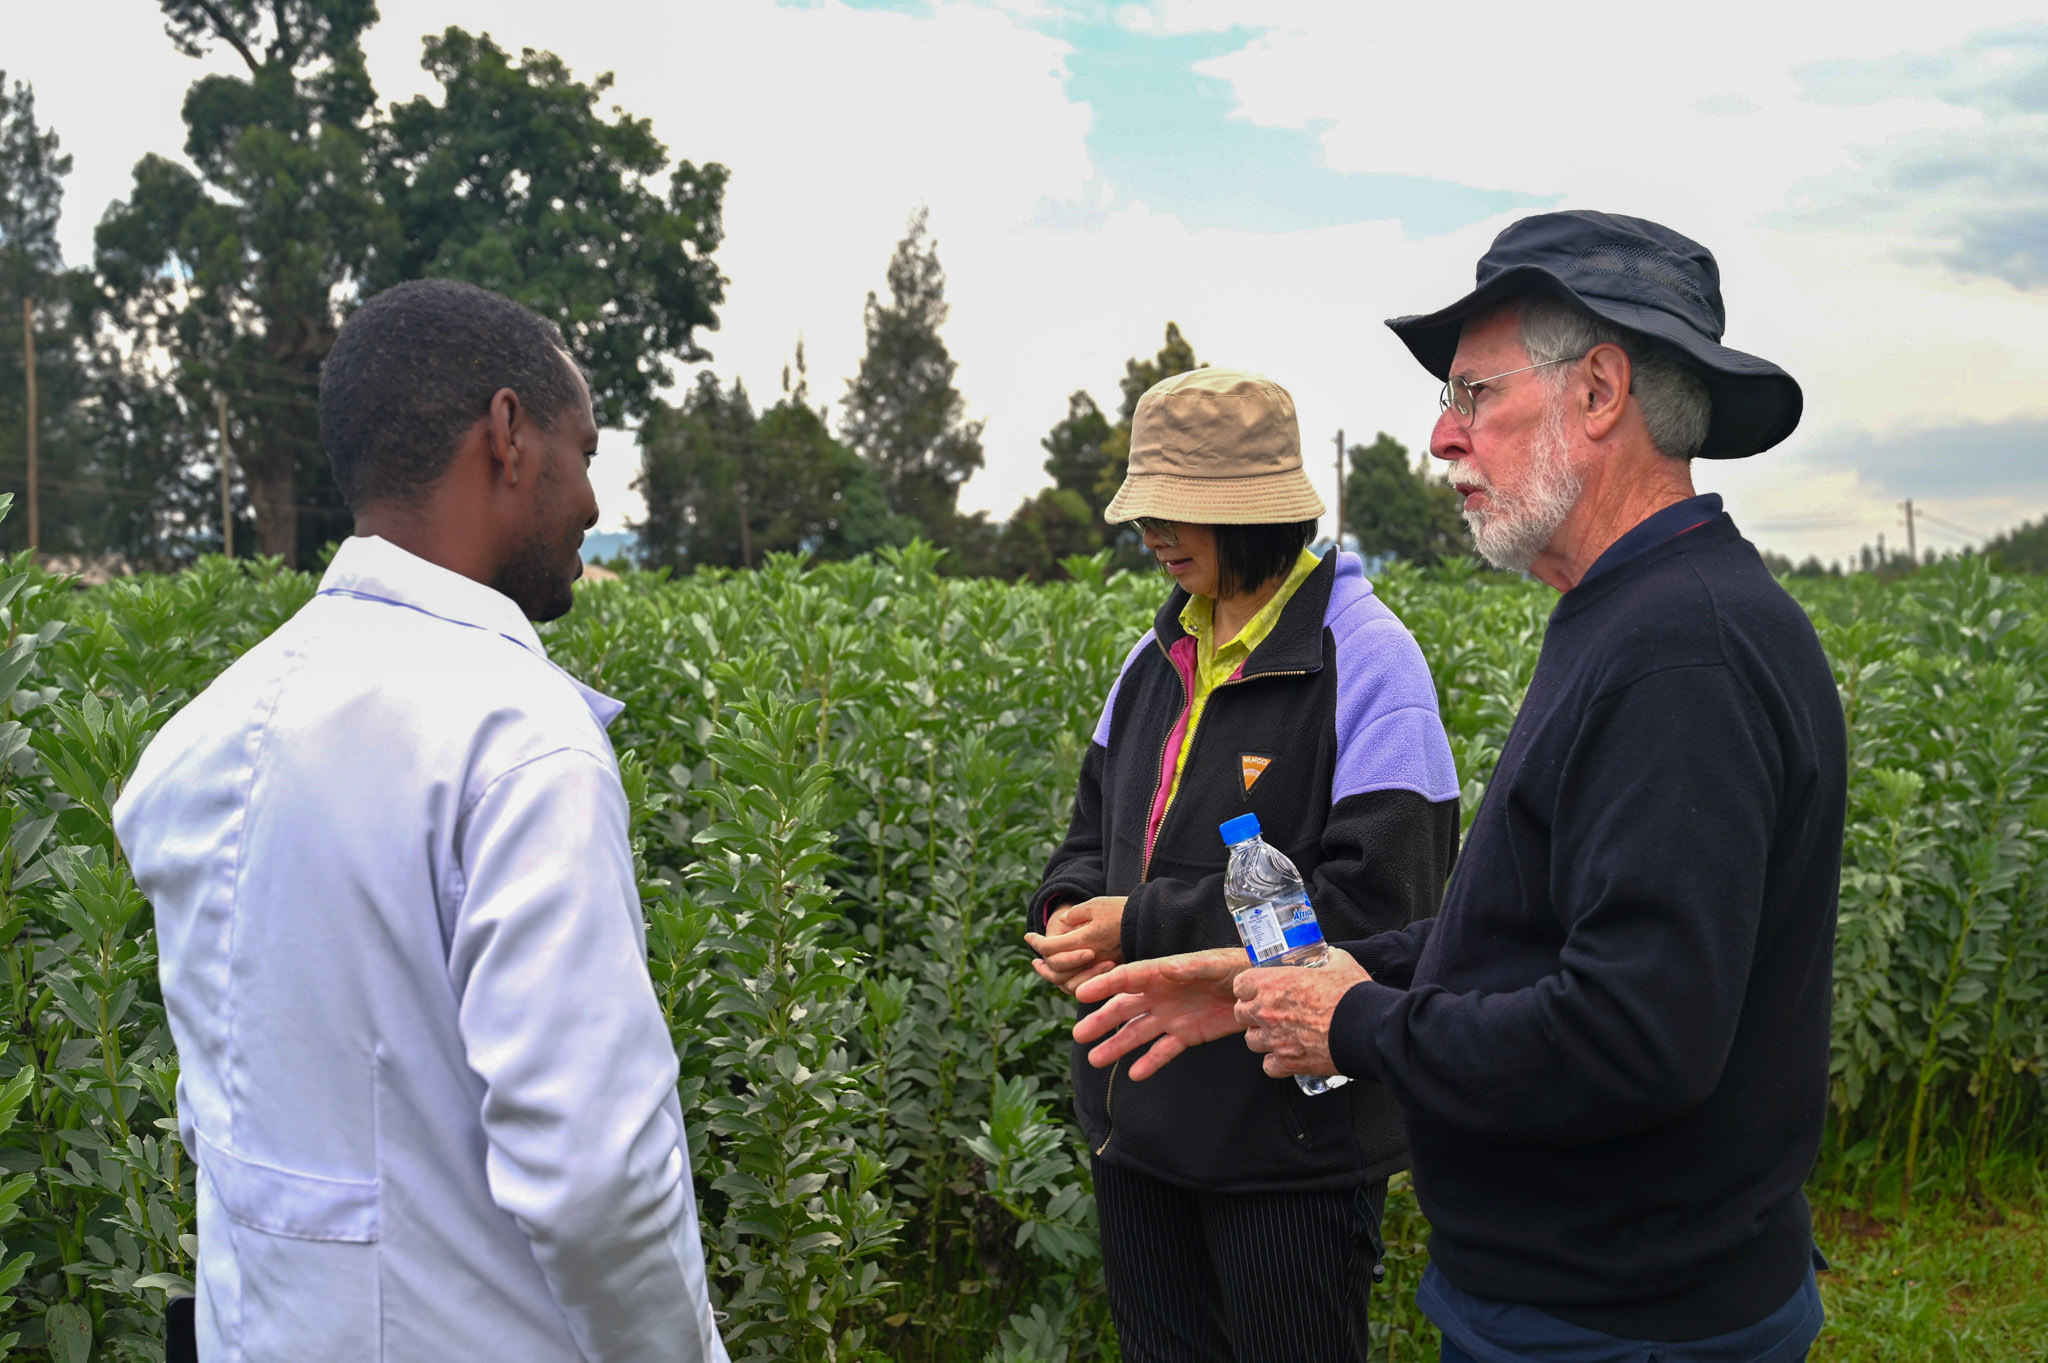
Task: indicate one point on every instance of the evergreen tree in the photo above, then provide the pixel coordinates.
(903, 414)
(1394, 507)
(32, 174)
(1076, 451)
(1057, 522)
(699, 466)
(1086, 458)
(2023, 549)
(726, 487)
(97, 491)
(1176, 356)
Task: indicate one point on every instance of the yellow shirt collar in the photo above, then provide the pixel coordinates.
(1199, 615)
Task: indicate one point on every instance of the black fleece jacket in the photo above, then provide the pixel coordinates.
(1357, 787)
(1612, 1044)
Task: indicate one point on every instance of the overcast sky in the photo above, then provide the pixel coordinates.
(1278, 176)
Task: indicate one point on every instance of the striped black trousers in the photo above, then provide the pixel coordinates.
(1237, 1277)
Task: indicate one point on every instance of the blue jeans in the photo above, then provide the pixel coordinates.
(1480, 1331)
(1453, 1354)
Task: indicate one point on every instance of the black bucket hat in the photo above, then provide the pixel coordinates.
(1639, 275)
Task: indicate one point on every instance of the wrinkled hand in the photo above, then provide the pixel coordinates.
(1286, 1011)
(1080, 941)
(1169, 1004)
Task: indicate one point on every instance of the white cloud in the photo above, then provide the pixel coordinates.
(836, 123)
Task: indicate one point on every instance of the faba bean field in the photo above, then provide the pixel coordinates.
(845, 780)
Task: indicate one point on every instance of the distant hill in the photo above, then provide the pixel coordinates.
(609, 545)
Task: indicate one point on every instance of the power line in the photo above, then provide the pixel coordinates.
(1809, 523)
(1924, 514)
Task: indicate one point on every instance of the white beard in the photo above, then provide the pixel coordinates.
(1515, 528)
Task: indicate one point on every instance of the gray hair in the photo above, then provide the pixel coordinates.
(1674, 398)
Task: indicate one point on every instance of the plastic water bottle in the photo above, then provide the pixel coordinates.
(1274, 918)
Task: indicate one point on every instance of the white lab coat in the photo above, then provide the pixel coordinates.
(425, 1080)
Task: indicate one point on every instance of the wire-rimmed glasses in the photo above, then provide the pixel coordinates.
(1461, 395)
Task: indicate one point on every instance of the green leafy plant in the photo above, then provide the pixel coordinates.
(844, 781)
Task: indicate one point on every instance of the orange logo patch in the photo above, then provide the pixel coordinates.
(1253, 767)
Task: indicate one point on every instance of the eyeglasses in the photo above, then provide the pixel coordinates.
(1152, 525)
(1461, 395)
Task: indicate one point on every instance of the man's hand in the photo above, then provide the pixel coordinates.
(1286, 1012)
(1169, 1004)
(1080, 941)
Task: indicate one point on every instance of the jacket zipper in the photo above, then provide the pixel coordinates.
(1108, 1106)
(1145, 867)
(1187, 706)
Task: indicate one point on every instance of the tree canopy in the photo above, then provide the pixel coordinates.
(516, 182)
(307, 200)
(1395, 507)
(1086, 458)
(2023, 549)
(725, 487)
(903, 414)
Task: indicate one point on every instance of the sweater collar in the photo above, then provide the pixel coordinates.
(1654, 529)
(1717, 531)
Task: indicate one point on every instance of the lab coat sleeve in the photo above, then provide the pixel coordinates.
(585, 1144)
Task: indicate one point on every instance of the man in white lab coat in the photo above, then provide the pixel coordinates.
(426, 1082)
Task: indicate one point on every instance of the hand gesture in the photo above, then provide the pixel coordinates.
(1168, 1004)
(1286, 1012)
(1080, 941)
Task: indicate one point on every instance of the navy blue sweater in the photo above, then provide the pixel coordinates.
(1612, 1043)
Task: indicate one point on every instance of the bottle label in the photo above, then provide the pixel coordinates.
(1260, 928)
(1298, 924)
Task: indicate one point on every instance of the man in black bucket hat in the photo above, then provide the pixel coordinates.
(1611, 1044)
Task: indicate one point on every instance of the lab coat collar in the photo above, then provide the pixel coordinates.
(378, 570)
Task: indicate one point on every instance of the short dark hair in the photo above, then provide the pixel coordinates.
(415, 368)
(1250, 556)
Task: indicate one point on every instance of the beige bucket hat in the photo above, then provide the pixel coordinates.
(1215, 447)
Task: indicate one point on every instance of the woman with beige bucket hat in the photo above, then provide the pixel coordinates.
(1240, 1216)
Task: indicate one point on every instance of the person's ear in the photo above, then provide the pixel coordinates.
(1603, 392)
(508, 427)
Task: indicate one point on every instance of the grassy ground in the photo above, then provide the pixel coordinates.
(1964, 1277)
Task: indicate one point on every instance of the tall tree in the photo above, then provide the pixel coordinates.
(725, 487)
(515, 181)
(1076, 451)
(818, 495)
(304, 202)
(698, 463)
(1176, 356)
(1057, 522)
(903, 414)
(79, 509)
(1086, 458)
(240, 270)
(2023, 549)
(1394, 507)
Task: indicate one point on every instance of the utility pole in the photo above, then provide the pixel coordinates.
(1912, 549)
(227, 463)
(1340, 487)
(28, 359)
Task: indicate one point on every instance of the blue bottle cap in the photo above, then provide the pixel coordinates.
(1243, 828)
